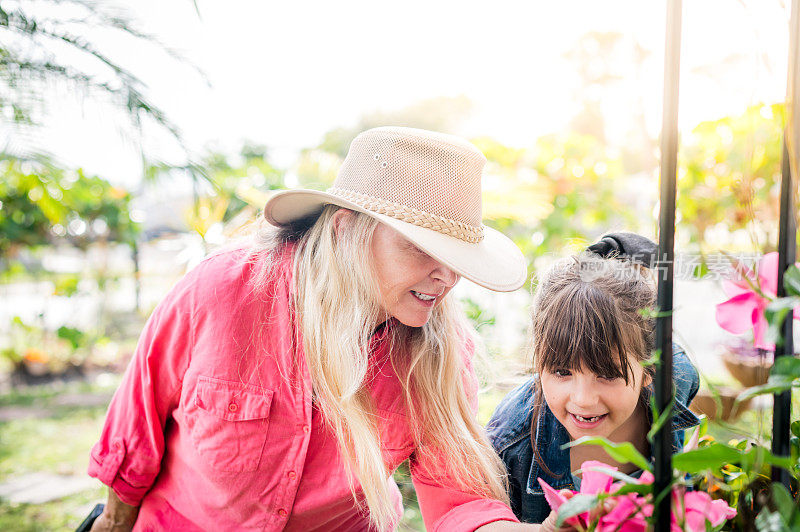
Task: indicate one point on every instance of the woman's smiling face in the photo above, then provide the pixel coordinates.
(592, 405)
(411, 282)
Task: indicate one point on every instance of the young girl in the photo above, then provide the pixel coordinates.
(590, 340)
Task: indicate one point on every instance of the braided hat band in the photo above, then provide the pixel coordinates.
(446, 226)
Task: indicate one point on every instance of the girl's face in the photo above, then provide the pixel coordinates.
(411, 282)
(592, 405)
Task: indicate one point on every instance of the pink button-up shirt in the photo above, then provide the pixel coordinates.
(214, 428)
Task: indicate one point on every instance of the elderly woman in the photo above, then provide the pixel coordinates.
(278, 387)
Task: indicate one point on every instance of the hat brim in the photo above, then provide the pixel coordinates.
(495, 262)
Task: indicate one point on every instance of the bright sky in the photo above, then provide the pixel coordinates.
(284, 73)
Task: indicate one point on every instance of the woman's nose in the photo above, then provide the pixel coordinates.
(444, 274)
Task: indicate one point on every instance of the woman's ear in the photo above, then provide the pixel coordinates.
(341, 218)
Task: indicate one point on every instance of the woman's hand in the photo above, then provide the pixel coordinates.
(116, 517)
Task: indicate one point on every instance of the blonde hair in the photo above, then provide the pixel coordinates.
(336, 301)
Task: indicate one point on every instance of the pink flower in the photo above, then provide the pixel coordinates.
(555, 500)
(699, 507)
(630, 512)
(745, 307)
(592, 483)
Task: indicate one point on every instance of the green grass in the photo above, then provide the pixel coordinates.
(56, 440)
(62, 514)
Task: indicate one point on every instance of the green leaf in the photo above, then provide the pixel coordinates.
(578, 504)
(791, 280)
(783, 500)
(614, 474)
(641, 489)
(717, 455)
(623, 452)
(659, 418)
(796, 428)
(786, 366)
(775, 314)
(775, 384)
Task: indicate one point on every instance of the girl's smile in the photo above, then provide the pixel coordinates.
(587, 404)
(587, 422)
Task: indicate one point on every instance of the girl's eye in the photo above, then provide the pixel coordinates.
(562, 373)
(607, 378)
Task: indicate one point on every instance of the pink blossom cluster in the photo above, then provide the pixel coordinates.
(629, 512)
(749, 295)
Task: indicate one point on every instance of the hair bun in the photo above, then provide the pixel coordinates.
(630, 246)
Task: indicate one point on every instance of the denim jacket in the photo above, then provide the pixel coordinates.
(510, 433)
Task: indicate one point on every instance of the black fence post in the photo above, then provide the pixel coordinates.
(662, 442)
(787, 238)
(787, 244)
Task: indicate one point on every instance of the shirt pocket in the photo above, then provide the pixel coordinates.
(229, 424)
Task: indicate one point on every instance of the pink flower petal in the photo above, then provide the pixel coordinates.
(768, 273)
(722, 508)
(626, 515)
(738, 314)
(552, 496)
(646, 478)
(734, 287)
(594, 482)
(555, 500)
(700, 507)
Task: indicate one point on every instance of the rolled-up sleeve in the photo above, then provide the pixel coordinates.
(128, 455)
(446, 508)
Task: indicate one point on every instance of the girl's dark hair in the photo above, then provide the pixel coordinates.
(590, 314)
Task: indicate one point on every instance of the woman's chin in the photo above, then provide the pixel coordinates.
(413, 319)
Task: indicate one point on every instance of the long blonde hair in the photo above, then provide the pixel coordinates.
(336, 301)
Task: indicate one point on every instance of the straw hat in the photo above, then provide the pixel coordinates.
(426, 186)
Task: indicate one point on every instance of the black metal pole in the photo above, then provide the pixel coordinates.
(787, 236)
(662, 442)
(787, 244)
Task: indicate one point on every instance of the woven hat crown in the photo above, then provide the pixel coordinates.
(429, 179)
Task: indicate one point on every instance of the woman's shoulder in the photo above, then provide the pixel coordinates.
(223, 278)
(512, 417)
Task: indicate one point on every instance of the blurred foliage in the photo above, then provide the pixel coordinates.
(729, 181)
(564, 191)
(228, 191)
(568, 189)
(41, 203)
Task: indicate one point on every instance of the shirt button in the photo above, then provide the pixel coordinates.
(306, 429)
(292, 474)
(282, 512)
(233, 407)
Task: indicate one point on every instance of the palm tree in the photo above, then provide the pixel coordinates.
(48, 43)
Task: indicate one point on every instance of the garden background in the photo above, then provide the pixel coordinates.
(136, 139)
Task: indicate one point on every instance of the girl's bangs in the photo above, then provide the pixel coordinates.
(581, 333)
